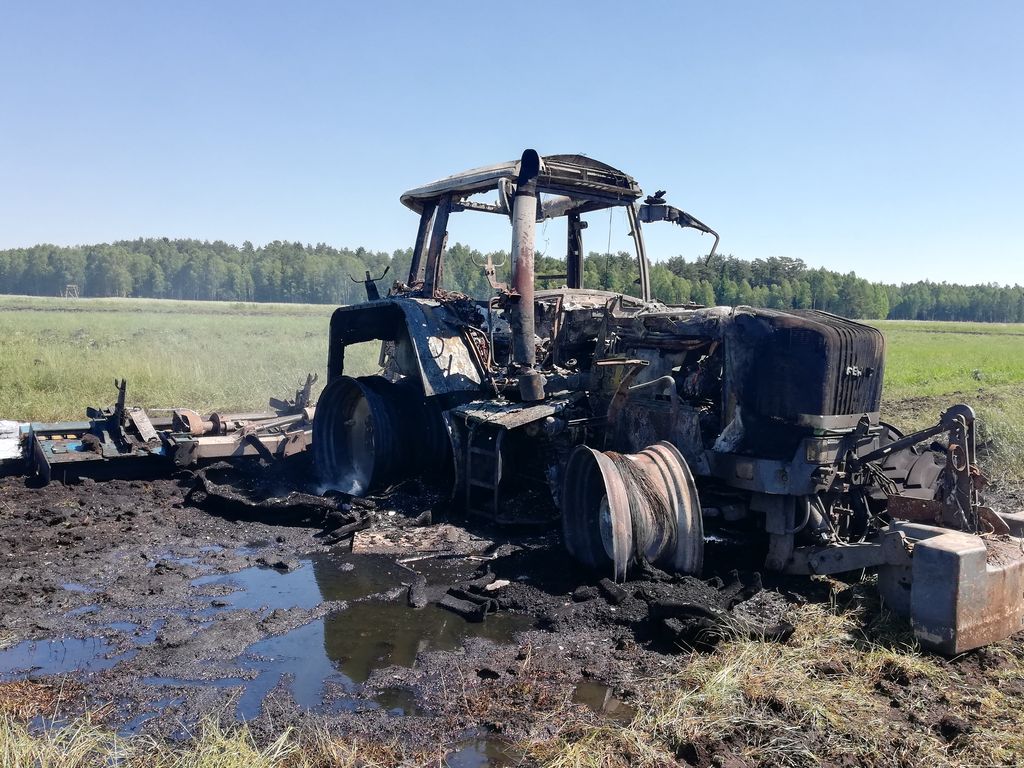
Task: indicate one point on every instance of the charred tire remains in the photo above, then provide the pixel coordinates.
(374, 433)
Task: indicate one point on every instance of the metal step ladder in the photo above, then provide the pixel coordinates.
(484, 469)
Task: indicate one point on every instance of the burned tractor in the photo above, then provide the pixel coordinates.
(642, 425)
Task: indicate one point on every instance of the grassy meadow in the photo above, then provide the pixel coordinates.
(58, 356)
(930, 366)
(938, 359)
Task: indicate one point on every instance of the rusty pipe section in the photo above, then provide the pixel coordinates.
(524, 224)
(190, 422)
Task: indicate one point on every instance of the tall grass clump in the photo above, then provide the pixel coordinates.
(83, 744)
(814, 700)
(1001, 430)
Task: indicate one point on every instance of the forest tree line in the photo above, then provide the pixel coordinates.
(320, 274)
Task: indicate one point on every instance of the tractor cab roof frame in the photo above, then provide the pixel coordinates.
(567, 185)
(595, 185)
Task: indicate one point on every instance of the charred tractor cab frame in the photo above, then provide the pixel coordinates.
(640, 424)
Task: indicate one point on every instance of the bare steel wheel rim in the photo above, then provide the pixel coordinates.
(620, 509)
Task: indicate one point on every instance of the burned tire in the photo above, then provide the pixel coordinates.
(370, 433)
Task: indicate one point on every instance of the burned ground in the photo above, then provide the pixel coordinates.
(150, 605)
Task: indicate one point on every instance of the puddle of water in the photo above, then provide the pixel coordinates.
(347, 645)
(143, 635)
(344, 647)
(375, 633)
(149, 635)
(73, 654)
(83, 610)
(399, 701)
(320, 577)
(602, 700)
(126, 627)
(73, 586)
(50, 657)
(294, 654)
(259, 588)
(369, 635)
(298, 653)
(483, 752)
(353, 577)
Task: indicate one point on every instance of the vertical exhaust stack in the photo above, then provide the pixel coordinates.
(524, 224)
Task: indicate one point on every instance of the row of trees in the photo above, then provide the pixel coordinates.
(293, 272)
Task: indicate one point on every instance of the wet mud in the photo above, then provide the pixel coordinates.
(161, 607)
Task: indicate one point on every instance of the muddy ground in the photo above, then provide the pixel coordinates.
(150, 605)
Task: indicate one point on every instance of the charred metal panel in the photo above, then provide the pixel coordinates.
(433, 270)
(574, 174)
(428, 342)
(833, 366)
(511, 415)
(773, 476)
(965, 590)
(644, 421)
(419, 250)
(591, 183)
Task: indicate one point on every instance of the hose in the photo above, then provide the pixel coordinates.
(807, 516)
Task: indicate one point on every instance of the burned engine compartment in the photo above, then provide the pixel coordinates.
(639, 424)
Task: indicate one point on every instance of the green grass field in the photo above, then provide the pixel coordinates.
(932, 359)
(58, 356)
(932, 365)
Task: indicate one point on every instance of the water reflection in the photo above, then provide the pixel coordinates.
(52, 657)
(376, 633)
(483, 752)
(601, 699)
(345, 646)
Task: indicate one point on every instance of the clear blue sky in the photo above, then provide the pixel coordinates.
(886, 138)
